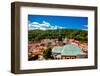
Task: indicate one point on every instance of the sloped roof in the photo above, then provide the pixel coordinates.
(68, 49)
(71, 49)
(57, 49)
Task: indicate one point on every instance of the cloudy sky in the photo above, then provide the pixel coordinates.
(45, 22)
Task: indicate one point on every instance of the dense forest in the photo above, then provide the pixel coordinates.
(37, 35)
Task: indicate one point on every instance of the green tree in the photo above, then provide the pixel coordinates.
(47, 53)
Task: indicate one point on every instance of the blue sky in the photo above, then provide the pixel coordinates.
(66, 22)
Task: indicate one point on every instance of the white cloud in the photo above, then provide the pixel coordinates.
(85, 25)
(35, 23)
(42, 26)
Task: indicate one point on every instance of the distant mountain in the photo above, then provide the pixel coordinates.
(43, 26)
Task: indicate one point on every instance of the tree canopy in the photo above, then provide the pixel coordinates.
(37, 35)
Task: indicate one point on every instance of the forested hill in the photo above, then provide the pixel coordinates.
(36, 35)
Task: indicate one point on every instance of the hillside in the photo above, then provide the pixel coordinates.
(37, 35)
